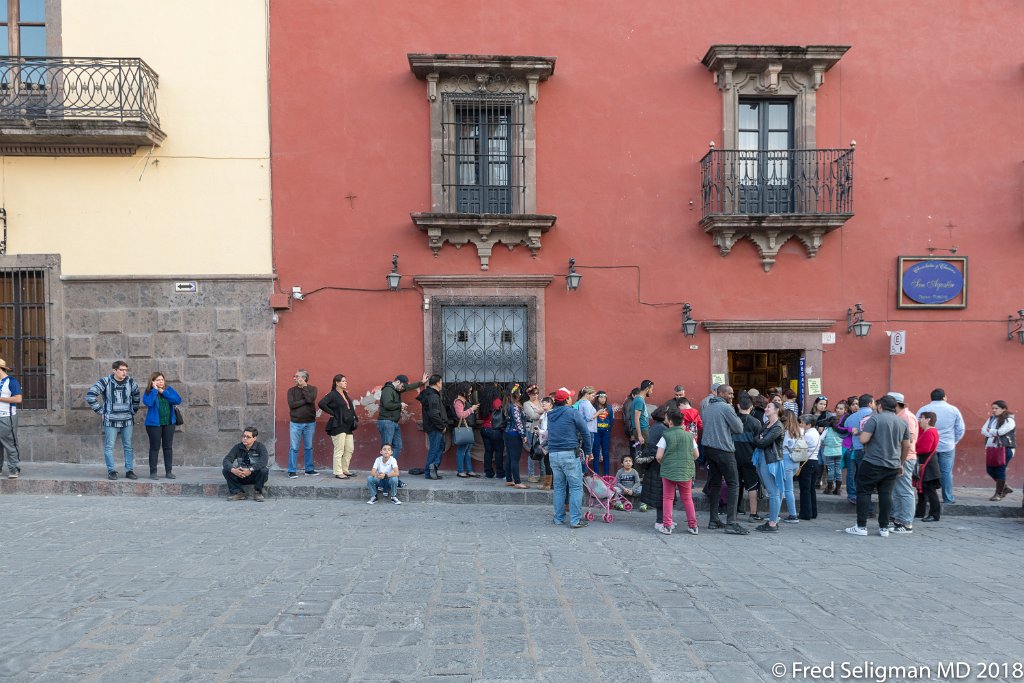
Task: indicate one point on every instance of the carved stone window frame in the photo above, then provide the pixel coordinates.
(58, 398)
(783, 71)
(788, 72)
(485, 290)
(450, 73)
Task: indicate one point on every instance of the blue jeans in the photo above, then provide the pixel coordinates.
(390, 485)
(435, 448)
(463, 462)
(791, 468)
(904, 500)
(566, 468)
(602, 450)
(774, 494)
(303, 431)
(390, 433)
(853, 459)
(946, 462)
(109, 437)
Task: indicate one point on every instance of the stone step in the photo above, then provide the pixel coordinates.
(90, 480)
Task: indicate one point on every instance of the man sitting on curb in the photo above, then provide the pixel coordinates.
(384, 476)
(246, 463)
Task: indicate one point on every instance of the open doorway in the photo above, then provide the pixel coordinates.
(763, 369)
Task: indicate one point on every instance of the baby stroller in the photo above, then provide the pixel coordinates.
(601, 490)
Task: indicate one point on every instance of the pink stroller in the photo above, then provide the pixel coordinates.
(601, 490)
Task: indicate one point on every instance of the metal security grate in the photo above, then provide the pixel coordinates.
(484, 345)
(23, 340)
(483, 152)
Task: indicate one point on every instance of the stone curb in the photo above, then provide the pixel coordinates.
(414, 494)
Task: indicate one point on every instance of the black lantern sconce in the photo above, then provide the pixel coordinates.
(394, 278)
(855, 321)
(1019, 330)
(689, 324)
(572, 280)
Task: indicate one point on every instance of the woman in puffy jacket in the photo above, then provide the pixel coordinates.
(646, 462)
(160, 399)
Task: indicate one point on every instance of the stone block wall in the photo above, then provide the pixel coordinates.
(215, 346)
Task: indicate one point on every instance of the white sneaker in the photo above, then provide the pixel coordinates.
(662, 529)
(394, 499)
(372, 501)
(674, 525)
(859, 530)
(883, 532)
(692, 530)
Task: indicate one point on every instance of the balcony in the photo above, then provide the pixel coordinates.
(77, 106)
(770, 196)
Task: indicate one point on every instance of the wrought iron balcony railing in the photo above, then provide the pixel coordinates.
(78, 88)
(773, 182)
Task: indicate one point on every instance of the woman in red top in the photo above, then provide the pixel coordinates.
(491, 426)
(928, 479)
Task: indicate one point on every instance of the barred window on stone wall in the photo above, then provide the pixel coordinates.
(483, 154)
(23, 337)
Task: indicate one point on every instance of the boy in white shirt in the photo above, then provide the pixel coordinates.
(384, 475)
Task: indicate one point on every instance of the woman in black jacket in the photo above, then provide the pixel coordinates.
(647, 463)
(770, 467)
(341, 425)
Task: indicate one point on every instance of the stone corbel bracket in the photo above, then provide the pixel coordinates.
(770, 232)
(484, 231)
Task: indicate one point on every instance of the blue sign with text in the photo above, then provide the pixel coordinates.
(933, 282)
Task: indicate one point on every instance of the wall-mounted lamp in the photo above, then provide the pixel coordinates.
(855, 321)
(572, 280)
(689, 324)
(1019, 330)
(393, 278)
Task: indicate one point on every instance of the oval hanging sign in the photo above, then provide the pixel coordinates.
(933, 282)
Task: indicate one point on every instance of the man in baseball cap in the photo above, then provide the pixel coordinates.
(564, 426)
(10, 398)
(903, 498)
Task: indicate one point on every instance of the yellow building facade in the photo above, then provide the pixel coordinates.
(135, 189)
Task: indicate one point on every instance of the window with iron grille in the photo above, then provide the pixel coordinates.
(23, 337)
(482, 153)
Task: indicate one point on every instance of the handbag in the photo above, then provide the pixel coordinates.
(463, 434)
(1009, 439)
(995, 456)
(179, 421)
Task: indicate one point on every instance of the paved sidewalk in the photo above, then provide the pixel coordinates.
(118, 589)
(90, 480)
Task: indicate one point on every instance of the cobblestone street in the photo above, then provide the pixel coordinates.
(130, 589)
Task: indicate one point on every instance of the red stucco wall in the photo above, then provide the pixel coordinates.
(932, 91)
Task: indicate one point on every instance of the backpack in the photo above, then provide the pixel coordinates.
(499, 418)
(801, 452)
(627, 416)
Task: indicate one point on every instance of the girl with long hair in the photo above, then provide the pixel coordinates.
(1000, 435)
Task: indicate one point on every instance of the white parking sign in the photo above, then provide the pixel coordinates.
(898, 343)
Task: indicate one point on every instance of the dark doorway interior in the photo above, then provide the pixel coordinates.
(763, 369)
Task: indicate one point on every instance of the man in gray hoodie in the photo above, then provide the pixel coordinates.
(720, 423)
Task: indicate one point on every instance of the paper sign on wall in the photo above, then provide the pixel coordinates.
(814, 386)
(718, 379)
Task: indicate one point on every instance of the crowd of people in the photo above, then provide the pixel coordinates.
(754, 447)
